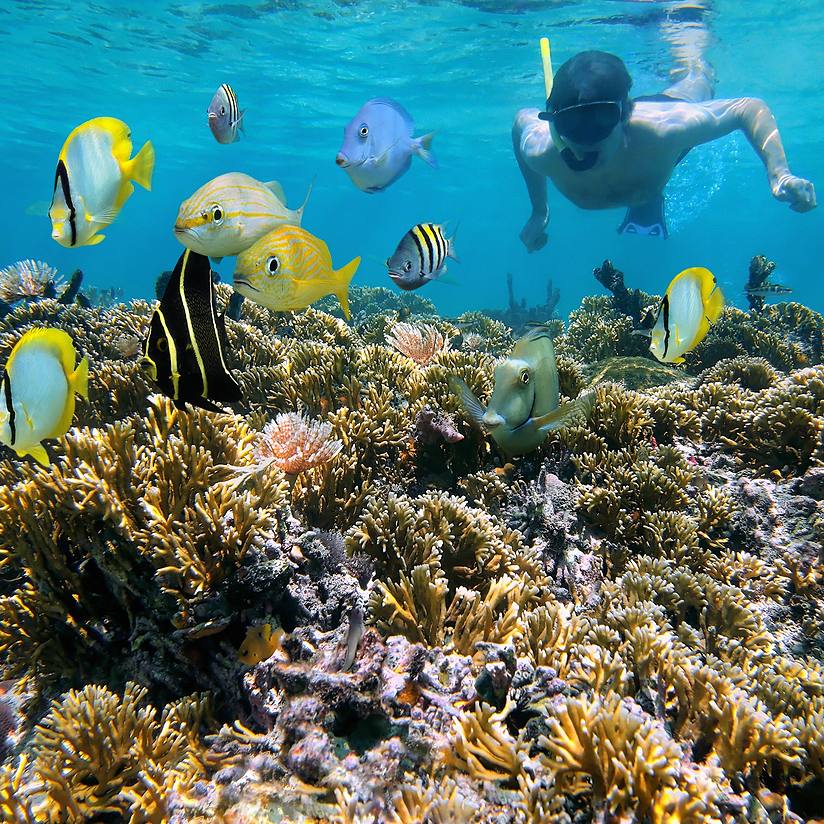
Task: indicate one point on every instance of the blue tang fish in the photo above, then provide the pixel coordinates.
(378, 145)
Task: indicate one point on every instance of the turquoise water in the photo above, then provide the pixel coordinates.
(302, 69)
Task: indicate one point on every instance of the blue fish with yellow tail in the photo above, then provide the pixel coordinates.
(378, 145)
(37, 391)
(524, 405)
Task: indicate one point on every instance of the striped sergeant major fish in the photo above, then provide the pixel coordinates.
(225, 118)
(94, 178)
(184, 354)
(421, 256)
(228, 214)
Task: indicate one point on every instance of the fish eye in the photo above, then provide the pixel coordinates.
(364, 130)
(272, 265)
(217, 214)
(222, 111)
(408, 266)
(524, 376)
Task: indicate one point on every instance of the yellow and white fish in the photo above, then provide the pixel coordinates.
(692, 302)
(289, 269)
(37, 391)
(228, 214)
(94, 179)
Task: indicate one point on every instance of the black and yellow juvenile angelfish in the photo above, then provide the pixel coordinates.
(421, 256)
(185, 352)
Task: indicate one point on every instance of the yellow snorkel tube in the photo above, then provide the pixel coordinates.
(546, 62)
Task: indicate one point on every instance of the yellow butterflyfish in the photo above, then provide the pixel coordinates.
(37, 391)
(94, 178)
(692, 302)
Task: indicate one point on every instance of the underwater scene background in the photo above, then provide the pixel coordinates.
(424, 564)
(302, 70)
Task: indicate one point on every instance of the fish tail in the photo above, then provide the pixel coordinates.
(141, 166)
(344, 277)
(305, 201)
(423, 149)
(80, 379)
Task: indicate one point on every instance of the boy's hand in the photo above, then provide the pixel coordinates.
(533, 235)
(796, 191)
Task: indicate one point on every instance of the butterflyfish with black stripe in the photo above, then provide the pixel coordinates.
(693, 301)
(94, 178)
(229, 213)
(290, 269)
(421, 256)
(37, 391)
(185, 353)
(224, 116)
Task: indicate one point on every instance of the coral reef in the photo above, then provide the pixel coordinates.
(624, 300)
(624, 624)
(517, 315)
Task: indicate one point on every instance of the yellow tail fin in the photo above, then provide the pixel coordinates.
(344, 277)
(141, 166)
(80, 379)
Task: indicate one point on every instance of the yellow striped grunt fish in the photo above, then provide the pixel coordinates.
(692, 302)
(228, 214)
(94, 179)
(290, 269)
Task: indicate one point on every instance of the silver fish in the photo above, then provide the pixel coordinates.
(378, 145)
(353, 636)
(769, 289)
(225, 118)
(421, 256)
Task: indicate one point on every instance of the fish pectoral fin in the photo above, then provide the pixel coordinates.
(566, 412)
(104, 218)
(643, 333)
(423, 149)
(470, 403)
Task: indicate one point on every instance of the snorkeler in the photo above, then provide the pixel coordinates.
(603, 149)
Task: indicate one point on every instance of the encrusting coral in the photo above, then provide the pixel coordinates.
(624, 624)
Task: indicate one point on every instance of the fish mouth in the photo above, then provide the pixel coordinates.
(241, 281)
(401, 281)
(211, 116)
(184, 230)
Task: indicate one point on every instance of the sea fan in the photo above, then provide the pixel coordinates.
(28, 280)
(294, 443)
(421, 343)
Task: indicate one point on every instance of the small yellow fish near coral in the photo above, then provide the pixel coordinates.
(37, 391)
(692, 302)
(94, 179)
(290, 269)
(260, 643)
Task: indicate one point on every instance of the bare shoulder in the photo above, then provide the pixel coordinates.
(532, 133)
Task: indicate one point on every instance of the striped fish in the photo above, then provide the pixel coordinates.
(184, 354)
(421, 256)
(228, 214)
(290, 269)
(225, 118)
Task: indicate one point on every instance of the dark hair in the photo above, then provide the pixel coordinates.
(588, 77)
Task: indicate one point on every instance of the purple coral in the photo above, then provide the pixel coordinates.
(434, 427)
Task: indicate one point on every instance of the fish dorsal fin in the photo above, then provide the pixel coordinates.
(393, 104)
(277, 190)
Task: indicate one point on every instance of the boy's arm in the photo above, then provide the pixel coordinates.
(715, 118)
(533, 235)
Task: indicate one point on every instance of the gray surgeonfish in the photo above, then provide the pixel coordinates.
(524, 405)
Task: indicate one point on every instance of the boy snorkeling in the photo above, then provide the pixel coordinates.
(603, 149)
